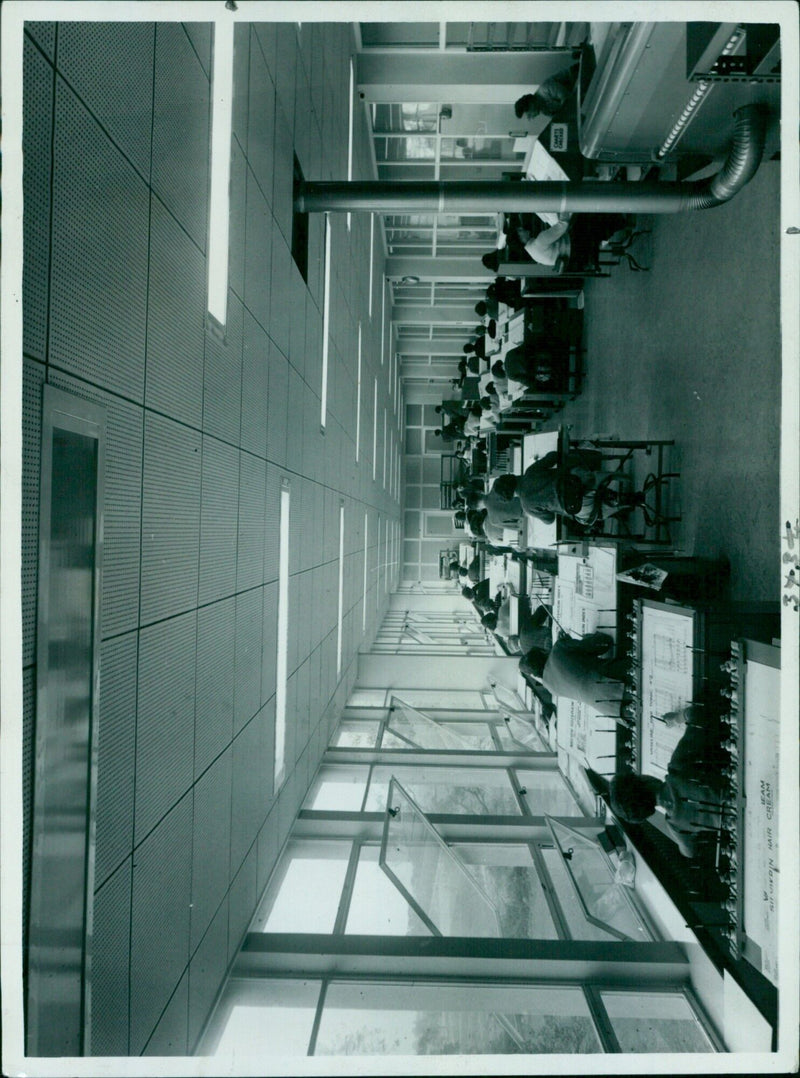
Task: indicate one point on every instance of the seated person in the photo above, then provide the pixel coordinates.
(551, 96)
(502, 506)
(495, 402)
(456, 409)
(490, 414)
(488, 308)
(546, 247)
(480, 597)
(478, 347)
(499, 377)
(473, 484)
(581, 670)
(534, 629)
(471, 572)
(691, 793)
(472, 424)
(533, 371)
(506, 290)
(482, 528)
(450, 431)
(547, 489)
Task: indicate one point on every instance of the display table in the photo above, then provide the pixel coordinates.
(585, 601)
(754, 796)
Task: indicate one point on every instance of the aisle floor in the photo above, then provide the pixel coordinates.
(691, 350)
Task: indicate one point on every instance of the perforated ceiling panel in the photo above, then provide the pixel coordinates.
(247, 681)
(110, 964)
(170, 1035)
(115, 767)
(44, 34)
(212, 832)
(250, 780)
(164, 719)
(200, 35)
(28, 732)
(122, 506)
(32, 381)
(170, 518)
(258, 253)
(269, 643)
(218, 524)
(222, 380)
(277, 404)
(180, 130)
(110, 67)
(241, 75)
(261, 126)
(237, 218)
(100, 237)
(176, 310)
(252, 487)
(206, 973)
(255, 384)
(242, 901)
(36, 148)
(160, 920)
(214, 693)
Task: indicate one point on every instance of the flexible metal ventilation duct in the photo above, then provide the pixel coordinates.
(459, 196)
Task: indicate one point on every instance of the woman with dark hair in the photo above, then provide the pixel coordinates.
(480, 597)
(691, 794)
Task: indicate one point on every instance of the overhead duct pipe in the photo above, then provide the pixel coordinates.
(468, 196)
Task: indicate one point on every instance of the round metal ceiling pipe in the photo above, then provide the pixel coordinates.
(473, 196)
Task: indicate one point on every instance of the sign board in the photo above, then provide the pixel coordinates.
(761, 734)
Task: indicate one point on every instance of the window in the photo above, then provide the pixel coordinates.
(303, 895)
(260, 1018)
(655, 1022)
(461, 790)
(338, 789)
(376, 906)
(361, 735)
(444, 1019)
